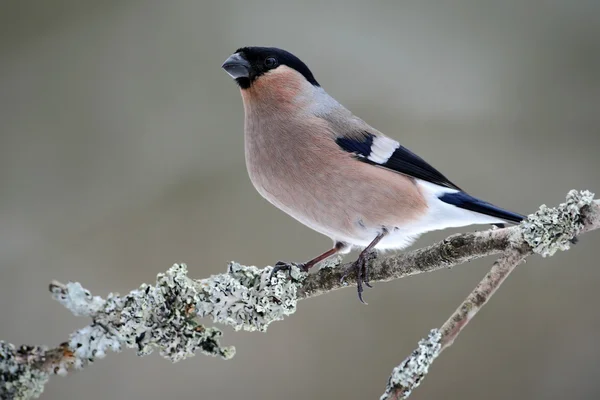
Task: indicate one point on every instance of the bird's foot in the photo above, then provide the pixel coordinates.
(285, 266)
(361, 267)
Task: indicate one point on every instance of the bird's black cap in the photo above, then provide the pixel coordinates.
(249, 63)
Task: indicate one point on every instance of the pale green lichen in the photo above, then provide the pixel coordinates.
(89, 344)
(159, 317)
(551, 229)
(20, 379)
(247, 299)
(408, 375)
(171, 325)
(163, 317)
(77, 299)
(331, 262)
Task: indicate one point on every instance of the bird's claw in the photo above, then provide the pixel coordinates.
(285, 266)
(362, 273)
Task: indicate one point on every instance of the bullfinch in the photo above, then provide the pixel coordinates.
(312, 158)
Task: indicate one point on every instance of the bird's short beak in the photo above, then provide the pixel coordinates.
(237, 66)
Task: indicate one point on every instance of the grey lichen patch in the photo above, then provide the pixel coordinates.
(551, 229)
(19, 376)
(409, 374)
(77, 299)
(164, 317)
(247, 299)
(172, 324)
(331, 262)
(89, 344)
(159, 317)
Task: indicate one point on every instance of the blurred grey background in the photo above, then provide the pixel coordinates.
(121, 152)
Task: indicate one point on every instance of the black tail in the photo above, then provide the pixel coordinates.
(468, 202)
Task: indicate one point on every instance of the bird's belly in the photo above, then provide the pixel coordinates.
(306, 206)
(335, 211)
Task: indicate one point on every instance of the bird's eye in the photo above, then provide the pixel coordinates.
(271, 62)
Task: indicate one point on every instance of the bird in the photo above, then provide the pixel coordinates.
(312, 158)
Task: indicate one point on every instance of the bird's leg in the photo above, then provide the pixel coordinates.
(284, 266)
(361, 267)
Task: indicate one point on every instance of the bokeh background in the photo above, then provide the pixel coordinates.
(121, 152)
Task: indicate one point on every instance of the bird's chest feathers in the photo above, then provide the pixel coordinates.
(274, 163)
(283, 155)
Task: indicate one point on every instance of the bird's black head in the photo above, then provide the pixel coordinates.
(249, 63)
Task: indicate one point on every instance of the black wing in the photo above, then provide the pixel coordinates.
(390, 154)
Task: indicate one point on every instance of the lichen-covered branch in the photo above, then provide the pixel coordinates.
(166, 316)
(545, 232)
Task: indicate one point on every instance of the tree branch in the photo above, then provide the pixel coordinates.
(545, 232)
(165, 316)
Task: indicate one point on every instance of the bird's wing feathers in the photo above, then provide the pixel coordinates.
(373, 147)
(388, 153)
